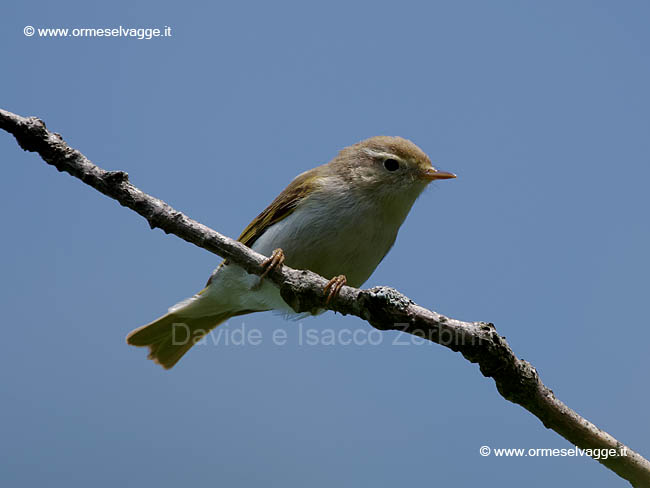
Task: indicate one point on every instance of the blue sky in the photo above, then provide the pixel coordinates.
(541, 108)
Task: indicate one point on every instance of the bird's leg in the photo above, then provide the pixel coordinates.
(334, 286)
(276, 260)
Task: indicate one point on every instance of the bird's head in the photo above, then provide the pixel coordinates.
(387, 167)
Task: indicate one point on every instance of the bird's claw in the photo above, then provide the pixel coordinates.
(276, 260)
(334, 286)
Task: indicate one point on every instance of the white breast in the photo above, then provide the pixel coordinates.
(334, 234)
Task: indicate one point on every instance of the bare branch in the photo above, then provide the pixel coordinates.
(384, 308)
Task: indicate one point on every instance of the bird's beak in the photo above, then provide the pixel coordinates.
(431, 174)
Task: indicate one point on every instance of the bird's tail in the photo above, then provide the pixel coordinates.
(171, 336)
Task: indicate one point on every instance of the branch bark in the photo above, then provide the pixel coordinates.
(382, 307)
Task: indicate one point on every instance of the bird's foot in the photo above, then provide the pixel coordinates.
(276, 260)
(334, 286)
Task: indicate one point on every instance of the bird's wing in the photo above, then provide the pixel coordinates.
(281, 207)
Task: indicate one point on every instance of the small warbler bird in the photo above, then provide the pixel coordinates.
(338, 220)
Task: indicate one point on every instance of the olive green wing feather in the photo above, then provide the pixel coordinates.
(281, 207)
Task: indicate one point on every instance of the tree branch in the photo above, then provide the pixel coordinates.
(384, 308)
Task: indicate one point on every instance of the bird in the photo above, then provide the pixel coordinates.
(338, 219)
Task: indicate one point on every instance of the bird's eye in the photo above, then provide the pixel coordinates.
(391, 164)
